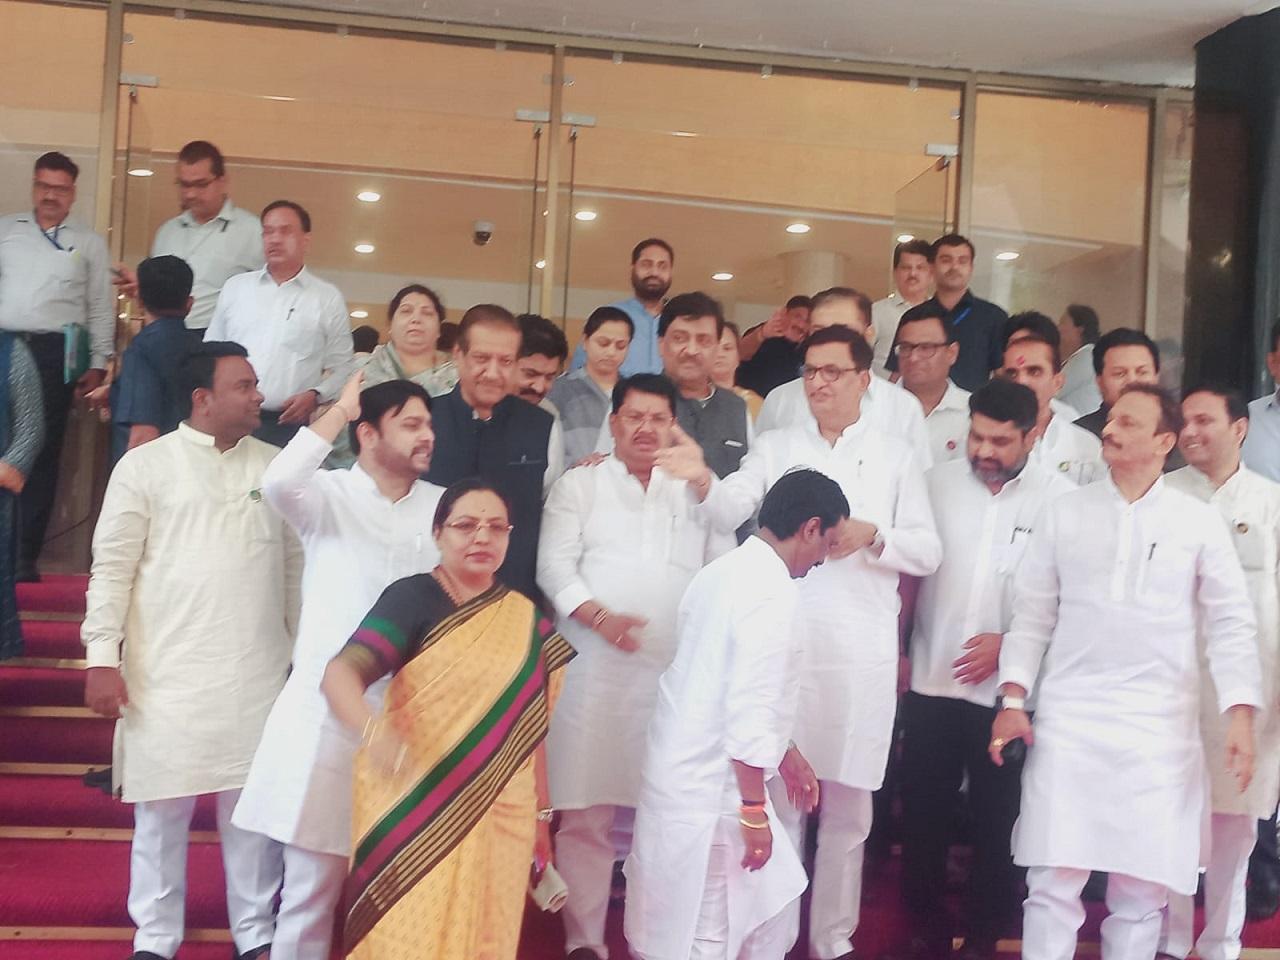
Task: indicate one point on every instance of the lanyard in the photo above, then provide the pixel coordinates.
(955, 322)
(52, 237)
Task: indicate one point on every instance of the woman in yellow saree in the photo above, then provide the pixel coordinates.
(450, 783)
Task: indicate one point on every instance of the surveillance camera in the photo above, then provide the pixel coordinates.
(481, 232)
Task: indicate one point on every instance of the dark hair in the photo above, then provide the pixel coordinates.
(383, 398)
(1033, 322)
(198, 150)
(1123, 337)
(921, 248)
(1237, 406)
(1055, 352)
(485, 315)
(540, 336)
(799, 300)
(427, 292)
(303, 217)
(59, 162)
(859, 350)
(1170, 409)
(1007, 402)
(845, 293)
(448, 335)
(364, 339)
(1085, 320)
(799, 496)
(1275, 336)
(164, 285)
(197, 368)
(929, 310)
(456, 491)
(692, 306)
(733, 328)
(654, 383)
(602, 315)
(952, 240)
(640, 247)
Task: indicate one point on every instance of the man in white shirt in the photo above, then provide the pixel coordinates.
(705, 880)
(1249, 504)
(53, 278)
(985, 506)
(890, 408)
(293, 324)
(1078, 326)
(1061, 446)
(848, 690)
(620, 543)
(190, 620)
(216, 238)
(361, 529)
(912, 282)
(1117, 581)
(1262, 445)
(926, 349)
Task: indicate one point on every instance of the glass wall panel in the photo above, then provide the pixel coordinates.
(1174, 197)
(1059, 204)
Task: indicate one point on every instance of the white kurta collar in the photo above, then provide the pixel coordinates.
(192, 435)
(1157, 489)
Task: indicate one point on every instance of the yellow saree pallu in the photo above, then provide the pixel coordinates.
(443, 847)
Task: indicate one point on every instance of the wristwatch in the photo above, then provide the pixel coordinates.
(1011, 703)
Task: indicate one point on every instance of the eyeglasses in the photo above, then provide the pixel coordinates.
(829, 374)
(925, 351)
(57, 189)
(470, 526)
(634, 420)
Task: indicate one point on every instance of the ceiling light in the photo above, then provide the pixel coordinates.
(683, 133)
(586, 216)
(141, 172)
(1007, 255)
(722, 275)
(280, 99)
(906, 237)
(364, 248)
(359, 314)
(540, 264)
(798, 228)
(369, 196)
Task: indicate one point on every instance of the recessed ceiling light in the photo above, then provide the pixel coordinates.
(906, 237)
(280, 99)
(540, 264)
(798, 228)
(369, 196)
(1008, 255)
(359, 314)
(586, 216)
(722, 275)
(364, 248)
(141, 172)
(683, 133)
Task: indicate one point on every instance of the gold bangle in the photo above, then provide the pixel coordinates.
(754, 826)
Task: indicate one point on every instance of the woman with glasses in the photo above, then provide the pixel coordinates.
(450, 790)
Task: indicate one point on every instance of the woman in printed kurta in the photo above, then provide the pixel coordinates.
(450, 791)
(21, 436)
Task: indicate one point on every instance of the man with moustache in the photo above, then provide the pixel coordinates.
(926, 349)
(361, 528)
(543, 351)
(1118, 584)
(651, 264)
(620, 543)
(1217, 420)
(912, 278)
(770, 352)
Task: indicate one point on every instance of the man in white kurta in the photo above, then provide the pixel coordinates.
(926, 349)
(849, 671)
(361, 530)
(620, 542)
(1115, 582)
(188, 629)
(707, 878)
(1217, 420)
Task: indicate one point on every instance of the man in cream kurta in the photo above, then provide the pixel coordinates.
(361, 530)
(189, 625)
(1217, 420)
(1115, 582)
(849, 670)
(707, 878)
(620, 542)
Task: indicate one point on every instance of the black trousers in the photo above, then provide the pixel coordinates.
(35, 506)
(1264, 862)
(943, 739)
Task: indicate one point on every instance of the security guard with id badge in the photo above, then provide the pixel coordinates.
(55, 294)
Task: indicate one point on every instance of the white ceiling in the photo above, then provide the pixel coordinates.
(1125, 41)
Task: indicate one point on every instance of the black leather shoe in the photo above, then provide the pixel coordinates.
(252, 954)
(582, 953)
(146, 955)
(1262, 898)
(29, 574)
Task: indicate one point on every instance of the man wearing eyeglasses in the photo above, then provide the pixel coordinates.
(926, 349)
(620, 543)
(54, 284)
(849, 673)
(214, 236)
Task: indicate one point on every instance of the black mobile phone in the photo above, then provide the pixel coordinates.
(1015, 751)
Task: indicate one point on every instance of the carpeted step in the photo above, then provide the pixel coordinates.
(55, 593)
(40, 687)
(35, 801)
(55, 740)
(52, 638)
(83, 883)
(100, 950)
